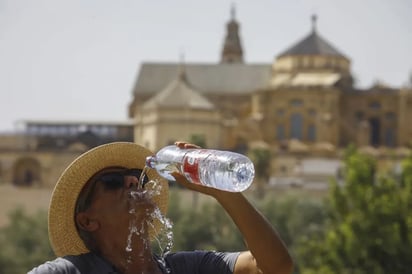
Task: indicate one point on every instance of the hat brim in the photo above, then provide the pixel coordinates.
(63, 235)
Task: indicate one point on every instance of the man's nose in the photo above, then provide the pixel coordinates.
(130, 181)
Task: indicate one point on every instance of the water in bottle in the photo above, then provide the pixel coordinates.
(223, 170)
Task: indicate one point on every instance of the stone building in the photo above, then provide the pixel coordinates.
(306, 94)
(227, 86)
(303, 107)
(37, 154)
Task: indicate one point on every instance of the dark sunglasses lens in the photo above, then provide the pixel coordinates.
(137, 173)
(112, 181)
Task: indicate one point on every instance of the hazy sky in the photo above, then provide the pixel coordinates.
(78, 59)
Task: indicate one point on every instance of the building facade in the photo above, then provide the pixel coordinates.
(307, 94)
(37, 154)
(303, 106)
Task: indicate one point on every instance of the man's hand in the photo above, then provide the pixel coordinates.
(181, 179)
(183, 145)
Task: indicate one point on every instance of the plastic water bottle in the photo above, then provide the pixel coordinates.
(223, 170)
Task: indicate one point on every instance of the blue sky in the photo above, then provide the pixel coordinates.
(78, 59)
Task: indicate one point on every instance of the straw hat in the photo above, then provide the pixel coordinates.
(63, 234)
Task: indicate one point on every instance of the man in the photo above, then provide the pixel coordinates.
(101, 221)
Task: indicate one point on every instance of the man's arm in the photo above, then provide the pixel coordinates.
(267, 253)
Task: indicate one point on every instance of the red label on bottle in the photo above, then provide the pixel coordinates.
(191, 166)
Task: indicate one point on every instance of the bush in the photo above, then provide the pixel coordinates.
(24, 242)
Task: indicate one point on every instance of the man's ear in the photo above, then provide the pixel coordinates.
(85, 223)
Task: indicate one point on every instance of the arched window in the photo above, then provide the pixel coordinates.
(296, 125)
(26, 172)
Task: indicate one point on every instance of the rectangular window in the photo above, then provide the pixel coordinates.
(296, 126)
(280, 132)
(375, 105)
(390, 138)
(312, 112)
(359, 115)
(280, 112)
(296, 102)
(390, 116)
(312, 133)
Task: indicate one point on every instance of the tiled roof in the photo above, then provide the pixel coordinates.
(178, 94)
(313, 44)
(235, 78)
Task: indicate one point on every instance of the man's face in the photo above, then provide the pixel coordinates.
(117, 204)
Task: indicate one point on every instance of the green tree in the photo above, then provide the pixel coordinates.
(297, 218)
(207, 228)
(261, 160)
(369, 228)
(24, 242)
(198, 139)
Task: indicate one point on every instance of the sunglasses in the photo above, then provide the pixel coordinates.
(112, 180)
(115, 179)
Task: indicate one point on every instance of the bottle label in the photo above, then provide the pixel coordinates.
(191, 166)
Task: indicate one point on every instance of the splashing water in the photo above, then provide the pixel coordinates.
(163, 232)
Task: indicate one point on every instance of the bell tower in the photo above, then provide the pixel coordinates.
(232, 49)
